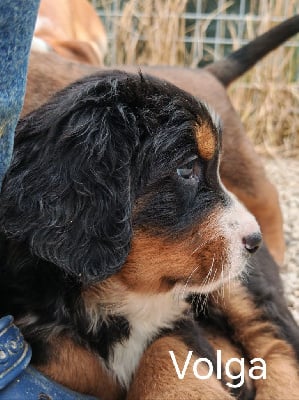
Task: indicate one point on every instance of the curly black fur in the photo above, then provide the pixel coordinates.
(71, 186)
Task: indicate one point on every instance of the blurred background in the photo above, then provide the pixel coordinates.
(195, 32)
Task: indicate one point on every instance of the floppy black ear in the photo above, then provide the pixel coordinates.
(68, 192)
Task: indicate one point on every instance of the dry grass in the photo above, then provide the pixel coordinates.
(269, 109)
(161, 23)
(267, 98)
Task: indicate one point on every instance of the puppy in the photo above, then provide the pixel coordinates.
(241, 169)
(119, 174)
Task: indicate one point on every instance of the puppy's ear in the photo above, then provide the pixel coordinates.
(68, 192)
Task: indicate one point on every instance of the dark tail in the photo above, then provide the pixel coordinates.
(240, 61)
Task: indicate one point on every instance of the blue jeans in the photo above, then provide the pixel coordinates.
(17, 21)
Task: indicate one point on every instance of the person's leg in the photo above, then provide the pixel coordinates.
(17, 21)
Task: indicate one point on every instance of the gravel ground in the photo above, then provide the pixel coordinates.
(284, 172)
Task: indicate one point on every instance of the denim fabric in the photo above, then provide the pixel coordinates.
(17, 21)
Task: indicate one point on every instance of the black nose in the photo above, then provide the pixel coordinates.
(252, 242)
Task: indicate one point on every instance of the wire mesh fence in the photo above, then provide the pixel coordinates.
(196, 31)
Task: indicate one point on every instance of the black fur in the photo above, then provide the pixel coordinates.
(265, 284)
(73, 179)
(80, 164)
(241, 60)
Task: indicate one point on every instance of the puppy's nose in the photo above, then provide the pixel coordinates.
(252, 242)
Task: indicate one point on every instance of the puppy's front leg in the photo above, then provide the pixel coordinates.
(157, 379)
(260, 339)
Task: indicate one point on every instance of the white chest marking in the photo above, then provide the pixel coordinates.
(147, 315)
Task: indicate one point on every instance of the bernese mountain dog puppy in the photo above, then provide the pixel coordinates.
(116, 230)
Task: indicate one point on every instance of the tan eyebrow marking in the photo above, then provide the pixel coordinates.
(206, 141)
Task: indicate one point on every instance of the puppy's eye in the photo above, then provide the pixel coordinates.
(190, 170)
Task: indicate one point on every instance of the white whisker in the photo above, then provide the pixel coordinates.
(188, 280)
